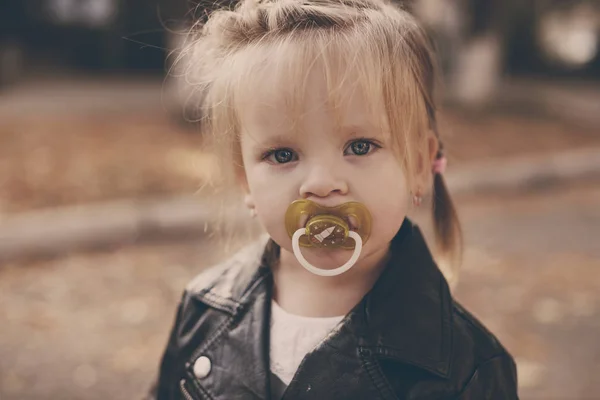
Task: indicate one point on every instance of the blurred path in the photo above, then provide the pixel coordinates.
(92, 326)
(81, 94)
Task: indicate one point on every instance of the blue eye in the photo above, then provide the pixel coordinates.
(360, 147)
(280, 156)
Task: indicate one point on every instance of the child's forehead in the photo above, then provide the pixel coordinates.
(286, 105)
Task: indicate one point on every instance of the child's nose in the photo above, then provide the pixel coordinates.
(322, 181)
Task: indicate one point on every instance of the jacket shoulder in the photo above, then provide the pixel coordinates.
(225, 284)
(472, 337)
(480, 363)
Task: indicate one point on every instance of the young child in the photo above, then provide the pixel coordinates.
(326, 111)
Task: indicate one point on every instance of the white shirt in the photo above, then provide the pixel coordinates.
(294, 336)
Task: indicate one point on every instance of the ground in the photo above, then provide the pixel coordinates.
(532, 275)
(93, 325)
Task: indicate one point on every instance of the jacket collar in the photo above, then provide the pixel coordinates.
(406, 317)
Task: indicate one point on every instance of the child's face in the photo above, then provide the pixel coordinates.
(288, 158)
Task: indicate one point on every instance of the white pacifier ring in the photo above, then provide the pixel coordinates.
(326, 272)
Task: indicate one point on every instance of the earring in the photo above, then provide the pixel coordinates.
(253, 212)
(417, 200)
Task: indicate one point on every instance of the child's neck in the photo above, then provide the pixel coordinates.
(300, 292)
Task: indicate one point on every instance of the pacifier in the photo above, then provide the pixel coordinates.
(347, 226)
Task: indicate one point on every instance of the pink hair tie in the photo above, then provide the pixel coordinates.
(439, 165)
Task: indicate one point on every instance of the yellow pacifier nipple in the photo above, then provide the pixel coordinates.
(346, 226)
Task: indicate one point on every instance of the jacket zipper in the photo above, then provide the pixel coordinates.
(184, 390)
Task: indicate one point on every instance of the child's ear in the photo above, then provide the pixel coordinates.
(425, 161)
(249, 202)
(433, 145)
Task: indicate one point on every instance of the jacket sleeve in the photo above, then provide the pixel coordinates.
(162, 388)
(495, 379)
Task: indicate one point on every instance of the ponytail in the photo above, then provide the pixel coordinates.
(448, 233)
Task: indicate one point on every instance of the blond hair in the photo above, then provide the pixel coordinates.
(381, 44)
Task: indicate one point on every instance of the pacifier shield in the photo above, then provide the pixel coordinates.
(328, 227)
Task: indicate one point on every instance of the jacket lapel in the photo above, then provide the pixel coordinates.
(408, 313)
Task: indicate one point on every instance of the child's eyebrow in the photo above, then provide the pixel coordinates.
(355, 130)
(365, 130)
(270, 141)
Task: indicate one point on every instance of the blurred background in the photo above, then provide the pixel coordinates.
(103, 220)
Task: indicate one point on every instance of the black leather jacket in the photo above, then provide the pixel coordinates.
(407, 338)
